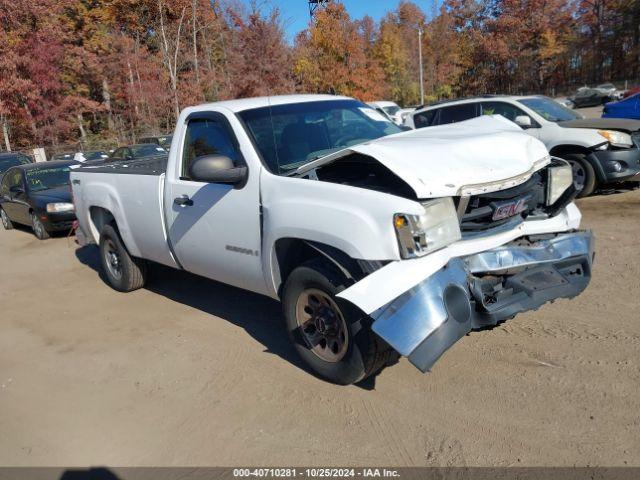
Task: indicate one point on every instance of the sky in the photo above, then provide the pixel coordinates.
(295, 13)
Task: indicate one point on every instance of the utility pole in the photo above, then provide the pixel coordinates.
(420, 32)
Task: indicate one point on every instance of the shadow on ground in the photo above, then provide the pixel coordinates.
(259, 316)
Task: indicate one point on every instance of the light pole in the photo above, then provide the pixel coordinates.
(420, 32)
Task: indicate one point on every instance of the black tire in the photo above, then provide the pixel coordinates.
(6, 221)
(365, 353)
(123, 272)
(584, 176)
(38, 228)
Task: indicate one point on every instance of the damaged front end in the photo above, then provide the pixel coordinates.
(476, 291)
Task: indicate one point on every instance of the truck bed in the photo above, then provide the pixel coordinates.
(131, 191)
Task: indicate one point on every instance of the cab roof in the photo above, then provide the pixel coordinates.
(260, 102)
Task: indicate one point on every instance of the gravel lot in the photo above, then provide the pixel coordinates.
(191, 372)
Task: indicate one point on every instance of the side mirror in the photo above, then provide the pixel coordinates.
(523, 121)
(216, 169)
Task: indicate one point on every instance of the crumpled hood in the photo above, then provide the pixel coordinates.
(485, 154)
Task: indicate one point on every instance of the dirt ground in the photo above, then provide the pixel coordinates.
(190, 372)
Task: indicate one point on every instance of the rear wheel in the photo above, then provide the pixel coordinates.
(6, 222)
(124, 272)
(38, 228)
(584, 177)
(332, 336)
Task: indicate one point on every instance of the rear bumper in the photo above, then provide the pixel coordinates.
(481, 290)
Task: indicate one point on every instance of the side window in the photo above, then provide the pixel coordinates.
(13, 179)
(4, 187)
(117, 153)
(457, 113)
(206, 136)
(507, 110)
(425, 119)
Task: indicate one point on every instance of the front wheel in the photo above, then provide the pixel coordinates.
(123, 272)
(6, 222)
(584, 177)
(332, 337)
(38, 228)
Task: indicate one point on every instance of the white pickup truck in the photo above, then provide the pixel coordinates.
(378, 242)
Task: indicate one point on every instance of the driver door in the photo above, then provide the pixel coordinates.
(214, 228)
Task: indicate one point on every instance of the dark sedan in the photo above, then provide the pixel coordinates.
(38, 195)
(135, 152)
(590, 97)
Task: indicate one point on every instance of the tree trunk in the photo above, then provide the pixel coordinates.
(5, 132)
(106, 95)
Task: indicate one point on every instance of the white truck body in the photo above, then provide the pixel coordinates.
(235, 235)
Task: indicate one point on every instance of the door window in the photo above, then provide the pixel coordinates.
(457, 113)
(15, 179)
(206, 136)
(507, 110)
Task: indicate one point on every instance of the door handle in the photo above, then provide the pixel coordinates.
(183, 201)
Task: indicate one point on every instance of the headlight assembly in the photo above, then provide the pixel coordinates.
(560, 177)
(59, 207)
(617, 139)
(432, 230)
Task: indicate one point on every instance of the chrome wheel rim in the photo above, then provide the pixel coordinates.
(112, 259)
(322, 325)
(579, 175)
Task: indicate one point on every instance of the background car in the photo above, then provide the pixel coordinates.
(38, 195)
(90, 156)
(610, 90)
(135, 152)
(603, 153)
(590, 97)
(62, 156)
(391, 110)
(631, 91)
(164, 140)
(12, 159)
(627, 108)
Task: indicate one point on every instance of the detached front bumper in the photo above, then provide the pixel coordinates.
(481, 290)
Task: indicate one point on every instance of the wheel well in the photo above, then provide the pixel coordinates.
(560, 150)
(293, 252)
(99, 218)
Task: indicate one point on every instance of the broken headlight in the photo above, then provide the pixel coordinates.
(432, 230)
(617, 139)
(560, 177)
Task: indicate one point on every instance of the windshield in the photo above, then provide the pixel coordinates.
(391, 110)
(289, 136)
(146, 150)
(549, 109)
(11, 161)
(46, 178)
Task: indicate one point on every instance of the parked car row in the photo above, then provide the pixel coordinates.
(603, 153)
(38, 195)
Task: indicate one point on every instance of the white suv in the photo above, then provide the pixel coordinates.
(604, 153)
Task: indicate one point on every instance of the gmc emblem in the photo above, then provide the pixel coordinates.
(509, 209)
